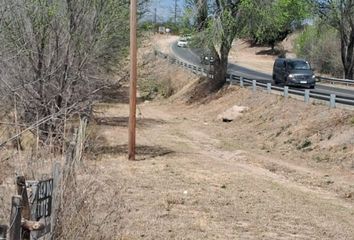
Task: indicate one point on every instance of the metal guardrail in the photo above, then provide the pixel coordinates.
(335, 80)
(233, 79)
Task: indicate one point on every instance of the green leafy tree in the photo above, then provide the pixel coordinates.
(340, 15)
(320, 44)
(218, 33)
(271, 21)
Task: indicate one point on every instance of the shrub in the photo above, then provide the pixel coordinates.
(321, 46)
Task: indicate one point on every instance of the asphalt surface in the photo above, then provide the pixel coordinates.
(193, 57)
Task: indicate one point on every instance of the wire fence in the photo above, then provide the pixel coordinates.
(35, 208)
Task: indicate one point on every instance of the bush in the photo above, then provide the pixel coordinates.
(152, 87)
(321, 46)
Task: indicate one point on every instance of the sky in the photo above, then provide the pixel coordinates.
(164, 9)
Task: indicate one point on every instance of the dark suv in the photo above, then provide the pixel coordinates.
(293, 72)
(206, 57)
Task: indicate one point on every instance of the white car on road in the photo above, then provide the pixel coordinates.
(182, 42)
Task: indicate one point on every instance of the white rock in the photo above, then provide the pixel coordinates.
(232, 113)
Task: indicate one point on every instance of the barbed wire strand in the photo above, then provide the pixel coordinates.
(37, 123)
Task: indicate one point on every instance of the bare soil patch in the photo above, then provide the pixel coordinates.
(280, 170)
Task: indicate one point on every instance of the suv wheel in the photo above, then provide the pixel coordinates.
(274, 79)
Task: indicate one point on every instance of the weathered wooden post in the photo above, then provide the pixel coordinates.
(3, 232)
(25, 208)
(15, 218)
(22, 191)
(55, 197)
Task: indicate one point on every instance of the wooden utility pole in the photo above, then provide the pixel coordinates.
(133, 79)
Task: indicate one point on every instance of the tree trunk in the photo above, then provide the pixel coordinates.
(349, 73)
(220, 67)
(347, 51)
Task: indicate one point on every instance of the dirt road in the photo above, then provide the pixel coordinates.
(199, 178)
(282, 169)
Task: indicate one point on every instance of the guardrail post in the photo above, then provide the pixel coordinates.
(241, 81)
(269, 87)
(254, 85)
(307, 96)
(332, 101)
(230, 78)
(286, 91)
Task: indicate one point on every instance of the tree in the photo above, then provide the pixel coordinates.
(198, 9)
(218, 33)
(55, 54)
(340, 15)
(271, 21)
(202, 14)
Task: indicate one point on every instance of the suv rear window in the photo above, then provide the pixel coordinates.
(299, 65)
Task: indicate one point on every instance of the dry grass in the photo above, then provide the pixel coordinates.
(199, 178)
(247, 179)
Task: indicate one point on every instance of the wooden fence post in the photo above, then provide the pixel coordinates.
(3, 232)
(15, 218)
(25, 208)
(55, 196)
(22, 191)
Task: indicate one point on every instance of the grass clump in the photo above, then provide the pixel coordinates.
(152, 88)
(352, 121)
(306, 143)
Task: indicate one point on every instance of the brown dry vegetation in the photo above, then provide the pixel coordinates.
(282, 170)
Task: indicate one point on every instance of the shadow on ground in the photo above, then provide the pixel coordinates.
(117, 94)
(272, 52)
(143, 152)
(123, 121)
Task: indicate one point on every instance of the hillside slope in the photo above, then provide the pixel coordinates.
(281, 170)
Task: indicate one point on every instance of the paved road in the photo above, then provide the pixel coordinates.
(192, 57)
